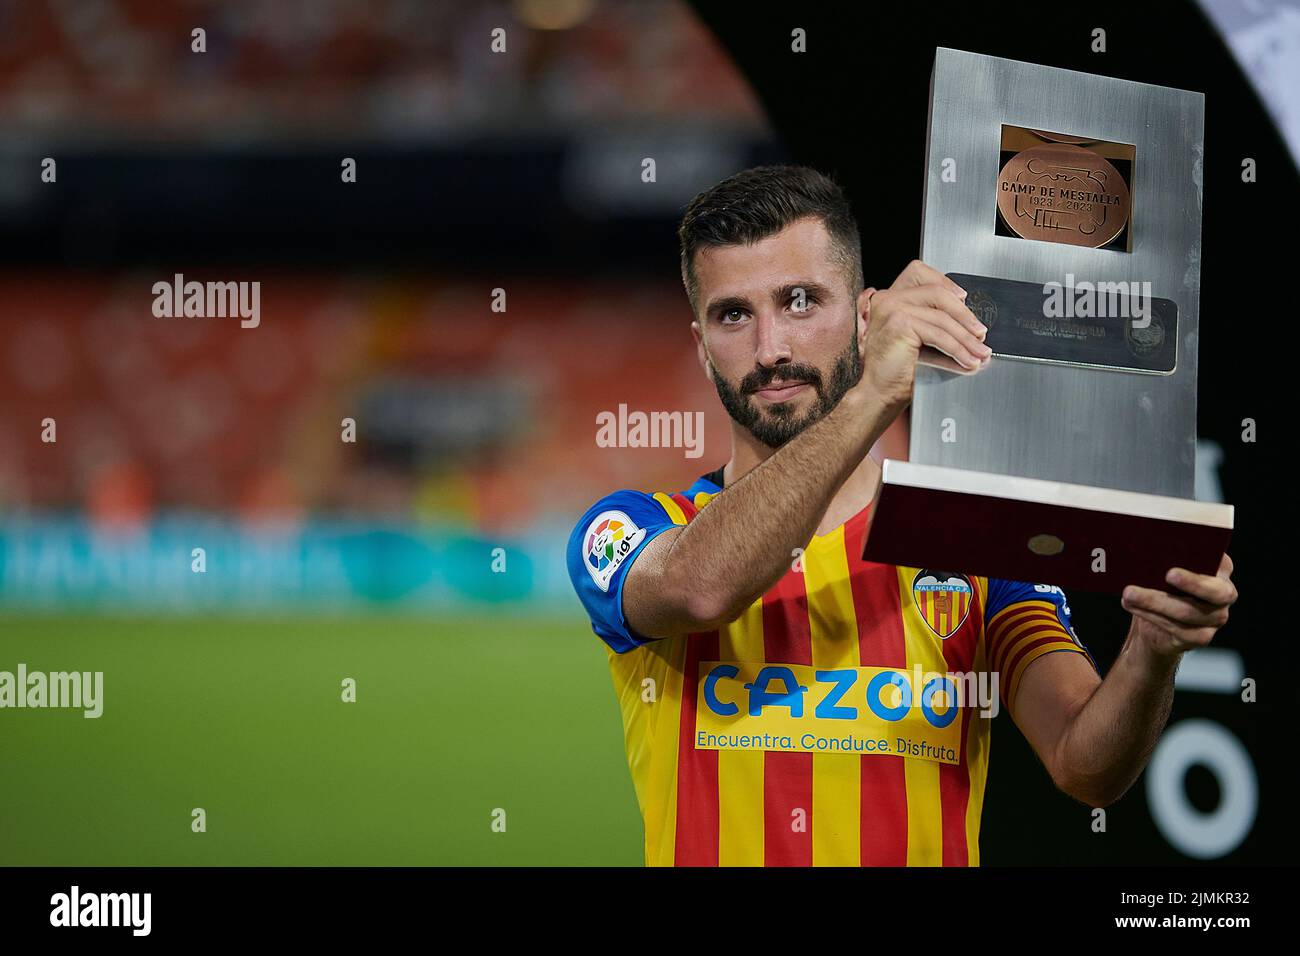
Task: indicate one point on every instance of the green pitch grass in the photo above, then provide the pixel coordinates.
(454, 719)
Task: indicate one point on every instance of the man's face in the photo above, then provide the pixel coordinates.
(778, 329)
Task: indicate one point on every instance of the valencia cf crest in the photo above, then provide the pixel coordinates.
(944, 600)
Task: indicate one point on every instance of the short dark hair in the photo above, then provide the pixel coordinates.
(757, 203)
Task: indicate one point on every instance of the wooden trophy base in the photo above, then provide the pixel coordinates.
(1048, 532)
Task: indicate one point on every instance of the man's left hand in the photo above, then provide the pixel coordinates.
(1173, 623)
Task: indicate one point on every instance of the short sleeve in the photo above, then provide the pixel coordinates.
(1022, 622)
(607, 539)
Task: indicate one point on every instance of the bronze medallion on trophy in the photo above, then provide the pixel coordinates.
(1063, 192)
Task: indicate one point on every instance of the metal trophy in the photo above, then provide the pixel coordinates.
(1069, 207)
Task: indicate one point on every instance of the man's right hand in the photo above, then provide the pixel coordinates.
(920, 318)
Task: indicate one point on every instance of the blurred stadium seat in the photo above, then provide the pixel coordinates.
(469, 421)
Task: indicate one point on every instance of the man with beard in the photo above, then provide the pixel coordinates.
(785, 702)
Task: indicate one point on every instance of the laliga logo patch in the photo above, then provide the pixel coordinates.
(943, 598)
(610, 538)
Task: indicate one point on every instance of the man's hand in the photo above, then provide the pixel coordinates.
(920, 318)
(1095, 737)
(1170, 624)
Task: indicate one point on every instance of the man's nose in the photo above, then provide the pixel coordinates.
(773, 345)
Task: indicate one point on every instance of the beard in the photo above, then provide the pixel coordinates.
(776, 424)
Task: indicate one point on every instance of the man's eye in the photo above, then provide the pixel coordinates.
(731, 316)
(802, 303)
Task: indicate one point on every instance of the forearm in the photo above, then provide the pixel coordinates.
(744, 542)
(1113, 734)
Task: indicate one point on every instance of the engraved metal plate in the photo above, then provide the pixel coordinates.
(1136, 335)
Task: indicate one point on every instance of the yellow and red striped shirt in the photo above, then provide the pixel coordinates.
(819, 727)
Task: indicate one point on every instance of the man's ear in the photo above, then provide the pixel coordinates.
(864, 311)
(701, 352)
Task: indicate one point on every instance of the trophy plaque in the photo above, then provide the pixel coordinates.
(1068, 206)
